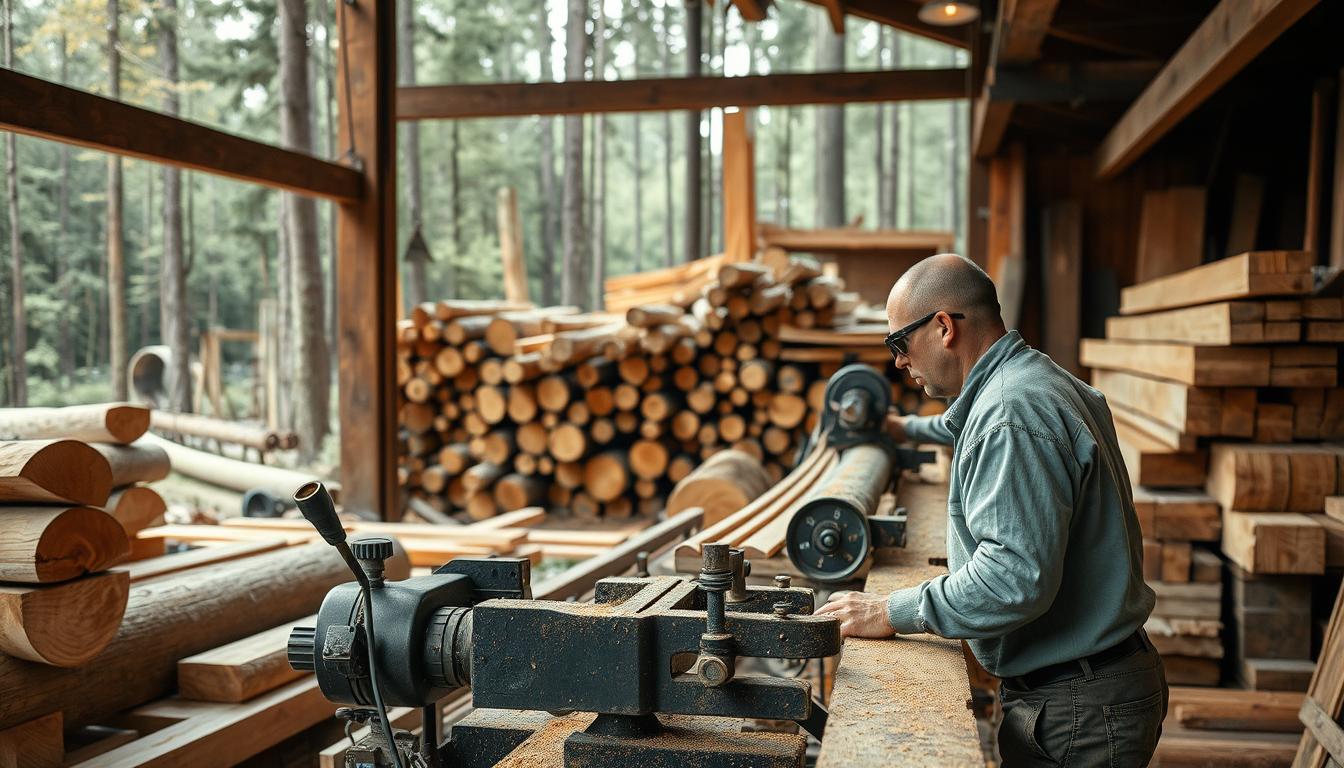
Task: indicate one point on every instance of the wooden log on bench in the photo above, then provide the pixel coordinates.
(62, 625)
(41, 545)
(53, 471)
(723, 484)
(102, 423)
(170, 618)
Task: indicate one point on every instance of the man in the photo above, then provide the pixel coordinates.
(1044, 548)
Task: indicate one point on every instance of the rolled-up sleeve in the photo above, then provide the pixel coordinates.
(1017, 499)
(928, 429)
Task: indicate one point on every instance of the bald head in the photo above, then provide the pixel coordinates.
(947, 282)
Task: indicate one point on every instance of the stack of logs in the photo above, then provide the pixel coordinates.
(70, 495)
(505, 406)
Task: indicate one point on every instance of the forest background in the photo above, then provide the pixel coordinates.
(106, 255)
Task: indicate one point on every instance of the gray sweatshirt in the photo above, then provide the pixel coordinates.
(1043, 545)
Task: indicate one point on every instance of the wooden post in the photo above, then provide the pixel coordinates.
(739, 187)
(1063, 282)
(1005, 256)
(366, 265)
(511, 246)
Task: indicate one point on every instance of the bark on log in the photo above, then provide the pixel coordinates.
(103, 423)
(194, 425)
(62, 625)
(41, 545)
(236, 475)
(173, 617)
(725, 483)
(53, 471)
(136, 463)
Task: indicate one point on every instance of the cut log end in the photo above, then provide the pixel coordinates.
(63, 625)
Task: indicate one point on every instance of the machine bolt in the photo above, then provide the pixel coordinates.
(782, 581)
(782, 609)
(713, 671)
(642, 565)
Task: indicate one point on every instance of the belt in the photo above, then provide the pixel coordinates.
(1067, 670)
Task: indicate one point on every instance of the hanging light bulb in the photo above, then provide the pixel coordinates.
(948, 13)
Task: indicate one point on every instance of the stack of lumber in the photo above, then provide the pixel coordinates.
(505, 405)
(70, 495)
(1322, 741)
(680, 284)
(427, 545)
(1223, 380)
(1222, 727)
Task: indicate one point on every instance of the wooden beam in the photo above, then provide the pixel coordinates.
(904, 15)
(835, 11)
(447, 102)
(1018, 33)
(36, 107)
(739, 186)
(366, 264)
(1232, 35)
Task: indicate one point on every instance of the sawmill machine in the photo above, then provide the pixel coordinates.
(833, 536)
(655, 660)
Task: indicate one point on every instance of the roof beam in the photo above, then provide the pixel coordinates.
(36, 107)
(835, 11)
(1234, 33)
(445, 102)
(903, 15)
(1073, 82)
(1018, 33)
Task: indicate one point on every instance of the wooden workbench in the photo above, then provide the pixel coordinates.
(903, 701)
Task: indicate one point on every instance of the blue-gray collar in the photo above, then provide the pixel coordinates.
(1008, 345)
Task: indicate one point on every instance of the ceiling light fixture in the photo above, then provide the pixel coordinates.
(948, 13)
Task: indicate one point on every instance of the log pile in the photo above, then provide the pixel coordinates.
(505, 405)
(1223, 381)
(71, 494)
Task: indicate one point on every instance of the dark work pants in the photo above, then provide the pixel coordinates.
(1111, 717)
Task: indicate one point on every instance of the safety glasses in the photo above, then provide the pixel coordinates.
(899, 341)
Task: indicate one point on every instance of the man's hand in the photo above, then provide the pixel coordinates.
(896, 427)
(860, 614)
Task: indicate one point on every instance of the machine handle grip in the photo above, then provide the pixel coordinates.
(317, 507)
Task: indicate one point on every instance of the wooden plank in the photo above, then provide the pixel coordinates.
(1233, 34)
(903, 701)
(1226, 709)
(242, 669)
(1276, 674)
(1152, 464)
(1168, 436)
(450, 102)
(1219, 324)
(1334, 540)
(1274, 542)
(1323, 727)
(1273, 478)
(1196, 366)
(1190, 410)
(366, 264)
(36, 107)
(1182, 748)
(1258, 273)
(214, 735)
(37, 743)
(990, 119)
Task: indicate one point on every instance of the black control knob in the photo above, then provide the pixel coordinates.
(372, 549)
(302, 649)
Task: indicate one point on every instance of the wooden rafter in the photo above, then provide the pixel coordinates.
(1020, 29)
(435, 102)
(835, 11)
(903, 15)
(1234, 33)
(47, 110)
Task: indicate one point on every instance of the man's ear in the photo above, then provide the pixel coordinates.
(947, 328)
